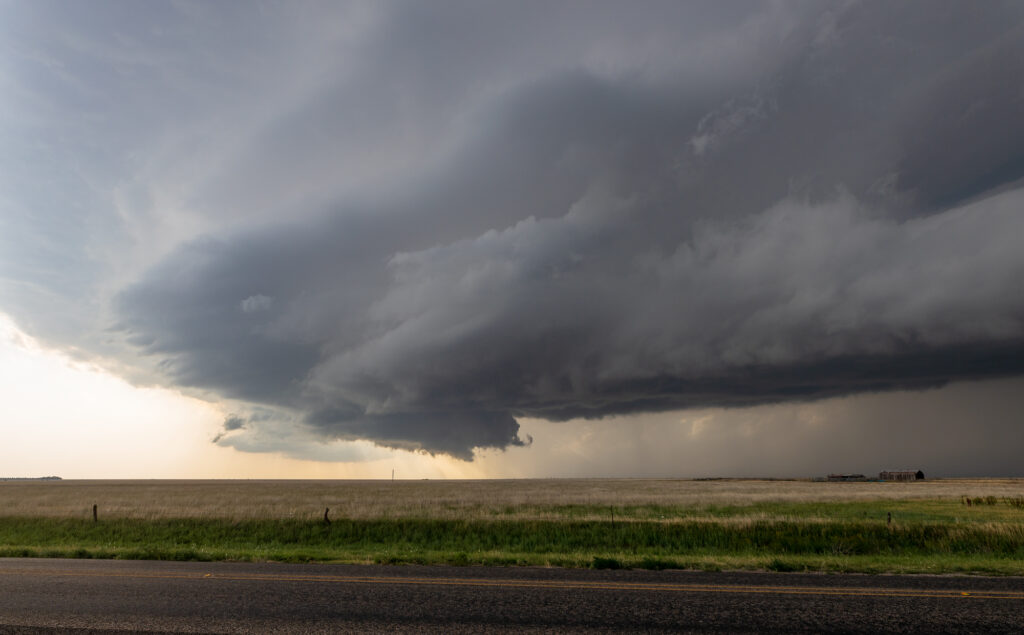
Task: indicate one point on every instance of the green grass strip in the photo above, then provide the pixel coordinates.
(779, 545)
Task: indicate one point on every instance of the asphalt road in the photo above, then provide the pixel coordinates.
(103, 595)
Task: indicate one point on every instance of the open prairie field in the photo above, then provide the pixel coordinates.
(950, 525)
(577, 499)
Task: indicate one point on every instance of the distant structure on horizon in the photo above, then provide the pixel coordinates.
(901, 475)
(30, 478)
(845, 478)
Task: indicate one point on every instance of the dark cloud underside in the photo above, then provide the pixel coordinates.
(589, 240)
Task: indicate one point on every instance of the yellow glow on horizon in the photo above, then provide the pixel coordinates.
(64, 418)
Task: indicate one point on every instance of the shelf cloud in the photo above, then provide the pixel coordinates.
(460, 215)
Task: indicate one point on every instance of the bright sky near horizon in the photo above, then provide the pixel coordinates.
(75, 420)
(474, 239)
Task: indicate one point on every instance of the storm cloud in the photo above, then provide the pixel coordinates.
(483, 213)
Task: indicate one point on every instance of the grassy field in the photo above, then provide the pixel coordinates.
(780, 525)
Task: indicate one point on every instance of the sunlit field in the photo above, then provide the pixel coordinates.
(936, 526)
(579, 499)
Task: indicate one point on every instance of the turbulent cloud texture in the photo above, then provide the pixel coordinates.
(475, 213)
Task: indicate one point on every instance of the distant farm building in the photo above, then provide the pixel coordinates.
(902, 475)
(840, 478)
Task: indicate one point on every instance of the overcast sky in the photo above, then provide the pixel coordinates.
(516, 238)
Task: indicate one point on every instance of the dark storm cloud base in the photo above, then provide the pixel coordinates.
(592, 243)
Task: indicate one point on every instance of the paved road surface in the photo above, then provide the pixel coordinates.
(64, 595)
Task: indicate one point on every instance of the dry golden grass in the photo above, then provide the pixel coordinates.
(539, 498)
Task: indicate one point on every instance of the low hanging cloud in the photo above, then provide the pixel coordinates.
(963, 429)
(547, 319)
(589, 243)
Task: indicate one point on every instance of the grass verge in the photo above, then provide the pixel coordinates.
(842, 543)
